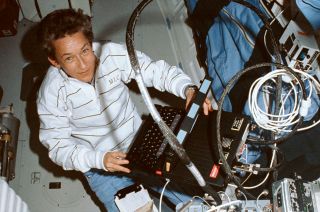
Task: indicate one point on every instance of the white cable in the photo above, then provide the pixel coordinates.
(254, 93)
(245, 197)
(257, 200)
(214, 208)
(271, 22)
(203, 200)
(246, 179)
(315, 84)
(264, 180)
(232, 185)
(265, 34)
(284, 120)
(162, 192)
(263, 119)
(224, 193)
(266, 177)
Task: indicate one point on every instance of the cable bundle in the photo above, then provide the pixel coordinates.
(292, 105)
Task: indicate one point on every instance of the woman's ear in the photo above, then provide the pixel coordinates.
(54, 62)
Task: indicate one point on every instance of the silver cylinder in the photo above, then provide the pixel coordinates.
(8, 120)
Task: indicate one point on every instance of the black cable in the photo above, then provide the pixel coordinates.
(276, 50)
(130, 33)
(242, 72)
(230, 84)
(267, 24)
(175, 145)
(274, 167)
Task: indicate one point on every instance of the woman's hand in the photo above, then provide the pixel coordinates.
(113, 162)
(190, 94)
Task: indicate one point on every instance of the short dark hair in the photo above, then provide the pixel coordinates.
(60, 23)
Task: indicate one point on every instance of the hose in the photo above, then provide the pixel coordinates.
(166, 131)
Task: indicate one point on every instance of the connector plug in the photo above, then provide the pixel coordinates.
(304, 107)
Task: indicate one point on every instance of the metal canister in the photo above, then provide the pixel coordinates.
(8, 120)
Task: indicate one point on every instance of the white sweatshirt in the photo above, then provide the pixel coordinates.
(80, 122)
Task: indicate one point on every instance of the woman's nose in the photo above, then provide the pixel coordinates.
(82, 63)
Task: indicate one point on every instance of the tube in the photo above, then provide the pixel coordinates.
(166, 131)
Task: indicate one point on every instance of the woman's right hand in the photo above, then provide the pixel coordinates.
(113, 162)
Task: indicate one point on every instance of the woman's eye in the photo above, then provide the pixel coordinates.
(69, 59)
(85, 51)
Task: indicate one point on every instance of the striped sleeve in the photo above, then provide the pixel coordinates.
(55, 134)
(158, 74)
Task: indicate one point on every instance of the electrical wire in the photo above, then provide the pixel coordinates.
(224, 193)
(275, 46)
(267, 175)
(272, 168)
(243, 182)
(245, 197)
(187, 204)
(203, 200)
(230, 84)
(263, 17)
(274, 122)
(316, 85)
(261, 194)
(283, 121)
(226, 166)
(162, 192)
(214, 208)
(274, 43)
(265, 33)
(259, 184)
(166, 131)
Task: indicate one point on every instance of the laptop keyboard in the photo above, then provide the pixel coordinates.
(151, 142)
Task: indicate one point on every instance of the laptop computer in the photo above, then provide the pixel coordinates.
(150, 149)
(151, 153)
(201, 147)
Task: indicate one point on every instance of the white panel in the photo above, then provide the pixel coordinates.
(20, 15)
(46, 6)
(182, 38)
(67, 193)
(29, 10)
(9, 200)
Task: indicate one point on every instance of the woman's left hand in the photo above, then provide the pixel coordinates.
(206, 104)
